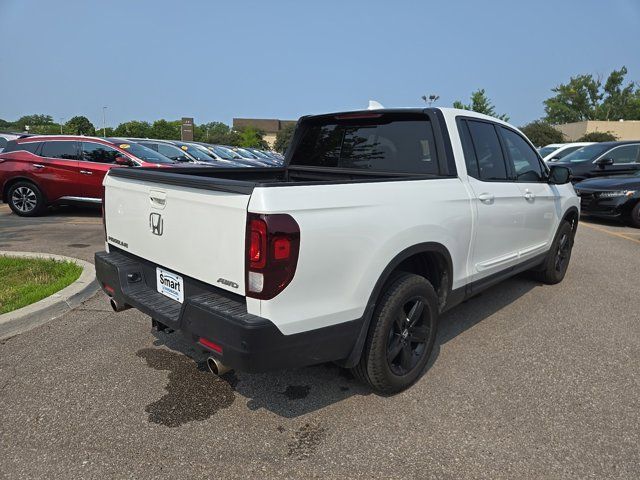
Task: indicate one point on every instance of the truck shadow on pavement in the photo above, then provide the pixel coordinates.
(196, 394)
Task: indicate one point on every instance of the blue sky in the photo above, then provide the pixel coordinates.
(216, 60)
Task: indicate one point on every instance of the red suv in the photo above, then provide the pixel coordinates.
(39, 171)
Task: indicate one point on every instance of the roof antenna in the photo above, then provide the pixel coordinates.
(373, 105)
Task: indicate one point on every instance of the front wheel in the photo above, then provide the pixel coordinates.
(634, 217)
(556, 263)
(25, 199)
(401, 335)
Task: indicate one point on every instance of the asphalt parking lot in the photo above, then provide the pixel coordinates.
(526, 381)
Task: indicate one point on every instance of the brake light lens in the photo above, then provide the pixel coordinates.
(258, 243)
(273, 244)
(210, 345)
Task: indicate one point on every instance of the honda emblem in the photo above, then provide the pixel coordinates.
(156, 223)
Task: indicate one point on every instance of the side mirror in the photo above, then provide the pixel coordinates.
(122, 160)
(603, 162)
(559, 175)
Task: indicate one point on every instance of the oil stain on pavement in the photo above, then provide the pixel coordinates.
(306, 440)
(193, 394)
(296, 392)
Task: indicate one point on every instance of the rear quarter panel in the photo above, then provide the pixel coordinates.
(349, 233)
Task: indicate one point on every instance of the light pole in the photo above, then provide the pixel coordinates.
(104, 121)
(430, 99)
(61, 122)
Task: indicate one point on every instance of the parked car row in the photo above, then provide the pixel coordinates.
(606, 177)
(42, 170)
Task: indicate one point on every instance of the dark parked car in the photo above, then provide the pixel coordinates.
(166, 148)
(611, 197)
(603, 159)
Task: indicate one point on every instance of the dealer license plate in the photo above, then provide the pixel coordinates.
(169, 284)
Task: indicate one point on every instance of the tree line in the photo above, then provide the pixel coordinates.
(212, 132)
(583, 97)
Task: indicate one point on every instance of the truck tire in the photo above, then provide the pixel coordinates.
(634, 216)
(25, 199)
(555, 265)
(401, 335)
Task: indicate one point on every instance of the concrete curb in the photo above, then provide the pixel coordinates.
(39, 313)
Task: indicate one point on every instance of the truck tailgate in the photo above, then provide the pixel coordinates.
(194, 232)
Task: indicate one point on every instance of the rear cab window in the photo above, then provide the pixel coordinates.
(376, 142)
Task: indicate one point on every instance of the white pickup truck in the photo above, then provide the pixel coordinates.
(379, 221)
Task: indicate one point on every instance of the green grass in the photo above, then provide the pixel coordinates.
(24, 281)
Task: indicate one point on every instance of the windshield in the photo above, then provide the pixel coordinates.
(260, 154)
(195, 152)
(144, 153)
(544, 151)
(246, 154)
(223, 153)
(585, 154)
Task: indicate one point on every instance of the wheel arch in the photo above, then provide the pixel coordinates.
(13, 180)
(572, 215)
(429, 259)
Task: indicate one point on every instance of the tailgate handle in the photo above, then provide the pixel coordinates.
(158, 198)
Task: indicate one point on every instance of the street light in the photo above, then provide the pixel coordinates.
(104, 121)
(61, 122)
(430, 99)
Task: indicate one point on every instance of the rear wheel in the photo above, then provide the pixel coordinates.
(25, 199)
(634, 218)
(401, 335)
(556, 263)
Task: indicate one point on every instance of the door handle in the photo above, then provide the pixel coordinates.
(86, 172)
(529, 195)
(38, 165)
(486, 197)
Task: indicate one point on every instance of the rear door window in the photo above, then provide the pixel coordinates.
(467, 149)
(486, 145)
(66, 150)
(377, 142)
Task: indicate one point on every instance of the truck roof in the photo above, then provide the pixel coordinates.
(447, 111)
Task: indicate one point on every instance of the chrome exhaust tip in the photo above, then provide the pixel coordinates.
(216, 366)
(117, 307)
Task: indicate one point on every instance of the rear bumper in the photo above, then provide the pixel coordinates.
(249, 343)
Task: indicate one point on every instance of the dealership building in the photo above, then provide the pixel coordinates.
(623, 129)
(270, 127)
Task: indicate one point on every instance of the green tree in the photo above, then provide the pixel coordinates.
(80, 125)
(619, 101)
(283, 138)
(480, 103)
(5, 125)
(32, 121)
(597, 137)
(542, 133)
(586, 98)
(212, 132)
(51, 129)
(251, 137)
(167, 130)
(133, 128)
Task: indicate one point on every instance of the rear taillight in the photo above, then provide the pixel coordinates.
(273, 243)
